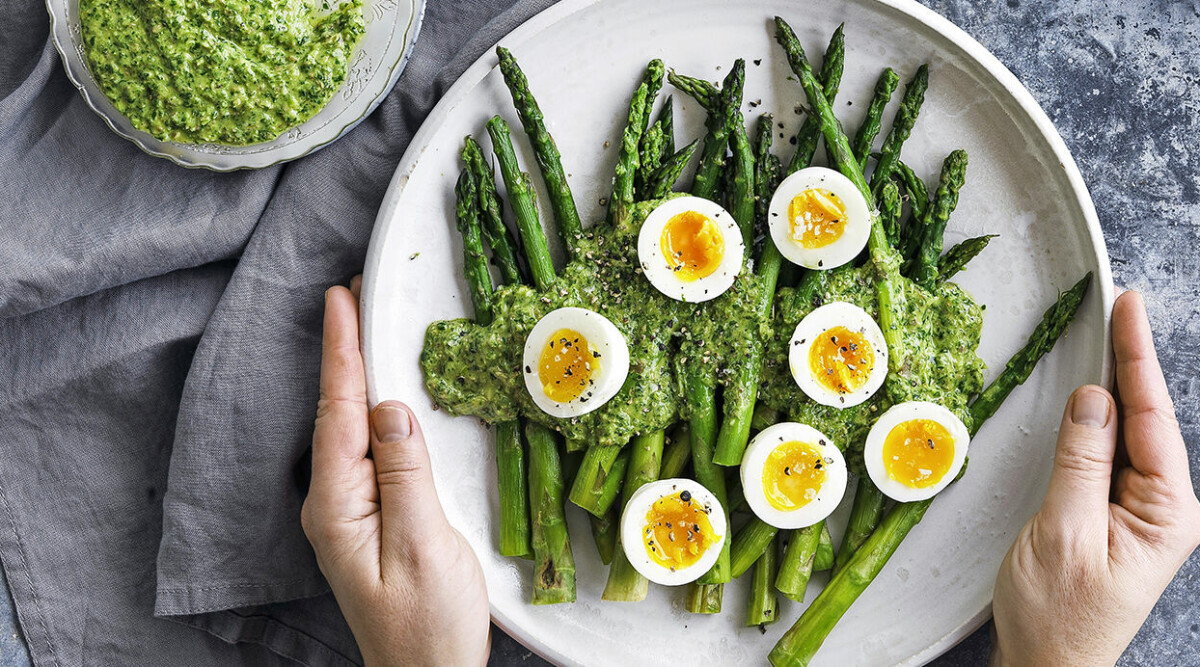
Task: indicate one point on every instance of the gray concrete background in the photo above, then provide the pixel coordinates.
(1121, 81)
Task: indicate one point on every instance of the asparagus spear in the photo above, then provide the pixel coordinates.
(625, 174)
(823, 560)
(763, 603)
(678, 452)
(562, 203)
(651, 154)
(918, 194)
(666, 120)
(521, 199)
(749, 545)
(802, 641)
(865, 136)
(707, 181)
(906, 118)
(924, 270)
(797, 564)
(764, 416)
(883, 255)
(957, 257)
(510, 455)
(475, 268)
(741, 194)
(864, 517)
(497, 234)
(624, 583)
(587, 491)
(701, 399)
(889, 212)
(735, 430)
(554, 576)
(704, 598)
(831, 79)
(660, 182)
(604, 532)
(611, 488)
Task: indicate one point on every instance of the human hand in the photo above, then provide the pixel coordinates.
(407, 582)
(1117, 523)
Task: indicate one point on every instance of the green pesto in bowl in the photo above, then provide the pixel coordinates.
(234, 72)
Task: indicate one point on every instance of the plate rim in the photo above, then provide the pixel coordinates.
(547, 18)
(225, 163)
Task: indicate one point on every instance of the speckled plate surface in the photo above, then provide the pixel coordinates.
(392, 27)
(583, 59)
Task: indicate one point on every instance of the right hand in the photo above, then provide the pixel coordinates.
(1117, 522)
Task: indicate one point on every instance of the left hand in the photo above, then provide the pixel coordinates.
(407, 582)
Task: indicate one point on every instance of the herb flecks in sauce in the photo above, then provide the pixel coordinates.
(219, 71)
(473, 370)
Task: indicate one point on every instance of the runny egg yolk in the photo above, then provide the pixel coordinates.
(692, 245)
(793, 474)
(567, 365)
(677, 531)
(918, 453)
(841, 360)
(818, 218)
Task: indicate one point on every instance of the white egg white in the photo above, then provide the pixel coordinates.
(854, 235)
(828, 496)
(816, 323)
(658, 271)
(897, 414)
(633, 524)
(603, 338)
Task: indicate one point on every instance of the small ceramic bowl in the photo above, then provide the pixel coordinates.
(392, 27)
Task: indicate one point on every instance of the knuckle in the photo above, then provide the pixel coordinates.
(400, 471)
(1083, 462)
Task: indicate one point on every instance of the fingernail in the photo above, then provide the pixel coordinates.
(1090, 409)
(390, 423)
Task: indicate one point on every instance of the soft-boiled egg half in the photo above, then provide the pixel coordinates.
(818, 219)
(792, 475)
(672, 531)
(690, 249)
(915, 449)
(838, 355)
(575, 361)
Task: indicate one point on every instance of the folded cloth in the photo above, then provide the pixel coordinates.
(159, 352)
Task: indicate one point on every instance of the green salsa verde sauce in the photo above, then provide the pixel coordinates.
(219, 71)
(476, 370)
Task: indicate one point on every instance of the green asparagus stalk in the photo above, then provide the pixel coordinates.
(554, 576)
(741, 194)
(739, 414)
(749, 545)
(512, 484)
(611, 489)
(885, 86)
(678, 452)
(706, 94)
(651, 155)
(653, 78)
(666, 120)
(764, 416)
(549, 160)
(497, 234)
(918, 194)
(954, 169)
(887, 261)
(831, 79)
(475, 268)
(906, 118)
(864, 517)
(645, 463)
(663, 179)
(889, 212)
(701, 400)
(797, 565)
(707, 182)
(801, 642)
(956, 258)
(763, 603)
(625, 174)
(823, 560)
(521, 199)
(604, 532)
(704, 598)
(587, 491)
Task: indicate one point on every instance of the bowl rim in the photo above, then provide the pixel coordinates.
(80, 76)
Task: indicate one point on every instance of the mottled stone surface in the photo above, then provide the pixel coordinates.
(1121, 81)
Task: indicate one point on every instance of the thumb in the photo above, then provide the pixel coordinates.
(410, 511)
(1083, 461)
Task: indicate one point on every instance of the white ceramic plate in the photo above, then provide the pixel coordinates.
(583, 59)
(392, 27)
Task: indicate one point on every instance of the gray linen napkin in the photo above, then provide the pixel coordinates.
(159, 343)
